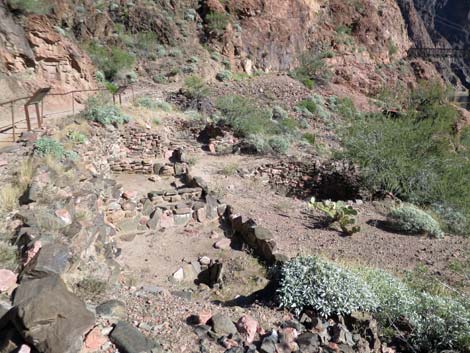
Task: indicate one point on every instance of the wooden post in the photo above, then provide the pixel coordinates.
(133, 94)
(42, 111)
(38, 115)
(73, 103)
(120, 99)
(114, 99)
(13, 121)
(28, 121)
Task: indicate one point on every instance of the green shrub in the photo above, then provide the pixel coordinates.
(410, 219)
(309, 282)
(312, 69)
(195, 88)
(309, 105)
(279, 144)
(438, 322)
(30, 6)
(153, 104)
(104, 113)
(76, 137)
(309, 137)
(224, 75)
(414, 155)
(279, 113)
(109, 60)
(217, 22)
(337, 213)
(8, 256)
(46, 146)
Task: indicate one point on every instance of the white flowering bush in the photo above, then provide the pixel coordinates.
(438, 323)
(410, 219)
(309, 282)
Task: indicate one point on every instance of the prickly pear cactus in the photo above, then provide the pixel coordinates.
(337, 213)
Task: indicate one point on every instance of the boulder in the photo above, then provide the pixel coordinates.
(223, 325)
(50, 317)
(112, 308)
(247, 326)
(52, 258)
(128, 339)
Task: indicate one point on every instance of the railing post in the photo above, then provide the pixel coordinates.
(13, 121)
(28, 121)
(73, 103)
(38, 115)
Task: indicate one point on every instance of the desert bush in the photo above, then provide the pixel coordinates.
(438, 322)
(8, 256)
(76, 137)
(414, 155)
(97, 109)
(48, 146)
(195, 88)
(308, 105)
(279, 144)
(337, 213)
(279, 113)
(30, 6)
(410, 219)
(153, 104)
(312, 69)
(309, 137)
(309, 282)
(109, 60)
(9, 195)
(224, 75)
(217, 22)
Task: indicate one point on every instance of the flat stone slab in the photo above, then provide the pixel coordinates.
(128, 339)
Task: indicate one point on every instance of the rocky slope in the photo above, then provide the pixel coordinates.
(33, 54)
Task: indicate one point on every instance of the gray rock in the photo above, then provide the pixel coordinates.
(128, 225)
(112, 308)
(49, 317)
(154, 220)
(223, 325)
(309, 342)
(147, 208)
(128, 339)
(51, 259)
(268, 345)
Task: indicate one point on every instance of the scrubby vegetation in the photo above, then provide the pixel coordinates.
(99, 110)
(414, 155)
(30, 6)
(110, 60)
(195, 88)
(312, 70)
(410, 219)
(256, 124)
(435, 323)
(309, 282)
(153, 104)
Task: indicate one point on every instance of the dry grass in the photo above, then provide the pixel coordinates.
(8, 256)
(25, 174)
(9, 195)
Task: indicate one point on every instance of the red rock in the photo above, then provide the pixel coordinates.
(3, 162)
(247, 326)
(94, 340)
(129, 195)
(64, 216)
(223, 244)
(7, 280)
(203, 317)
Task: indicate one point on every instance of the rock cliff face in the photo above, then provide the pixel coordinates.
(34, 54)
(367, 39)
(441, 23)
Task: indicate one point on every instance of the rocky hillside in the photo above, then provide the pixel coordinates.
(363, 42)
